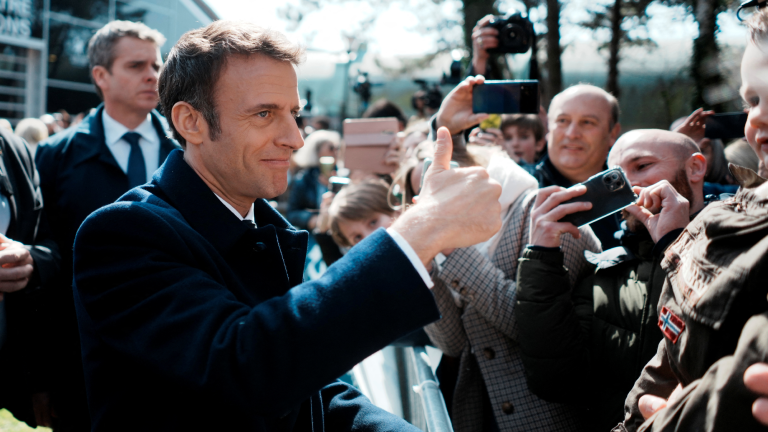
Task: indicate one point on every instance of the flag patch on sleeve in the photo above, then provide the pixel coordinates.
(670, 324)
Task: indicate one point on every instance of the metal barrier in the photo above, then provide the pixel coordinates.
(425, 385)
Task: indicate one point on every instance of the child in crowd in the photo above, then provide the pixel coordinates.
(358, 210)
(523, 138)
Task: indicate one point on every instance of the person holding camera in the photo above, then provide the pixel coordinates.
(583, 125)
(476, 293)
(596, 339)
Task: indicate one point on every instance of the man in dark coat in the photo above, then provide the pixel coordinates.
(30, 262)
(597, 339)
(188, 290)
(115, 148)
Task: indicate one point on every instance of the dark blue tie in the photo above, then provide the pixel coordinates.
(137, 170)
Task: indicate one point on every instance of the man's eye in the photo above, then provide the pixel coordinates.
(263, 114)
(643, 166)
(296, 114)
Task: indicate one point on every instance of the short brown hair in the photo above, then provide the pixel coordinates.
(529, 122)
(758, 25)
(196, 61)
(357, 202)
(101, 47)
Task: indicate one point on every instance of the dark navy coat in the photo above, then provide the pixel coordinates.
(78, 175)
(191, 320)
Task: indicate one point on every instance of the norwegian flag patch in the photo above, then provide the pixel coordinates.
(670, 324)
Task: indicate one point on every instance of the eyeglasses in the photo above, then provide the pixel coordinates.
(748, 4)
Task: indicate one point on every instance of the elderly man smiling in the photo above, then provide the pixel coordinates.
(189, 291)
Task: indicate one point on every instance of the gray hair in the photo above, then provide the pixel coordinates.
(32, 130)
(101, 47)
(307, 156)
(196, 61)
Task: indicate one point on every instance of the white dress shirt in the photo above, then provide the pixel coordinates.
(401, 242)
(121, 149)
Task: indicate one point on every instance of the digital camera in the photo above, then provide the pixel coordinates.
(515, 34)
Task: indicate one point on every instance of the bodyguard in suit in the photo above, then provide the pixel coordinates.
(115, 148)
(189, 293)
(30, 261)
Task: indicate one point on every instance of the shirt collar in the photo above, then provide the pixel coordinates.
(114, 130)
(250, 215)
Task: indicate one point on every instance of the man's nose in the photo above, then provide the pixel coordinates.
(573, 130)
(151, 74)
(290, 136)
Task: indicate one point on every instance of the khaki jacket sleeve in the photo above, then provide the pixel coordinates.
(719, 401)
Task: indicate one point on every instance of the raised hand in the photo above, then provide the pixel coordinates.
(548, 210)
(661, 209)
(456, 109)
(456, 207)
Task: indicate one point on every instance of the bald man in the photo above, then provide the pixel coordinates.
(588, 347)
(583, 125)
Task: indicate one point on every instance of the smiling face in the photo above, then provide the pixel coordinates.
(257, 100)
(754, 91)
(356, 231)
(131, 82)
(580, 132)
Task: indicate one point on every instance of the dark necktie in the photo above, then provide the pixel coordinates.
(137, 170)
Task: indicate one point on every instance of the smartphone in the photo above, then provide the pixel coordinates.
(725, 126)
(366, 143)
(506, 97)
(608, 191)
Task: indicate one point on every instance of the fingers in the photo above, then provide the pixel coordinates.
(650, 404)
(443, 152)
(556, 197)
(756, 378)
(641, 213)
(760, 410)
(13, 254)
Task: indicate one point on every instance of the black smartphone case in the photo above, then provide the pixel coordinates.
(606, 195)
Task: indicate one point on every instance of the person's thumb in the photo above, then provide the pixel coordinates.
(443, 151)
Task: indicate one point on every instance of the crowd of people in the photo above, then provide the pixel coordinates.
(153, 260)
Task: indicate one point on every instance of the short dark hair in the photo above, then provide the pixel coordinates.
(196, 61)
(101, 46)
(385, 108)
(529, 122)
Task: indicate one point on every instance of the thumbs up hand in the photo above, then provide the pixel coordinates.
(456, 207)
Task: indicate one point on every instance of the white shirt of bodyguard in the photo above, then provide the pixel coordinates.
(401, 242)
(121, 149)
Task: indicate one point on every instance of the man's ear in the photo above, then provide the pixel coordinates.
(189, 123)
(99, 74)
(696, 167)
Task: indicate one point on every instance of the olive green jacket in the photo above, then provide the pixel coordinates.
(588, 346)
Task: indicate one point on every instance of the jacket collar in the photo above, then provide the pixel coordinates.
(89, 142)
(197, 203)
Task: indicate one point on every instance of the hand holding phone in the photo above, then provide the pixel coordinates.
(546, 227)
(608, 191)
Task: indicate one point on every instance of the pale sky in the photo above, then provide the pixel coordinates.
(399, 29)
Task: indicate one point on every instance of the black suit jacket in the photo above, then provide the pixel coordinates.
(190, 320)
(78, 175)
(24, 356)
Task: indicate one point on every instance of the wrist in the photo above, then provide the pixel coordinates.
(423, 239)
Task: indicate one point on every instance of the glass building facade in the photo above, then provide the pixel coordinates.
(43, 47)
